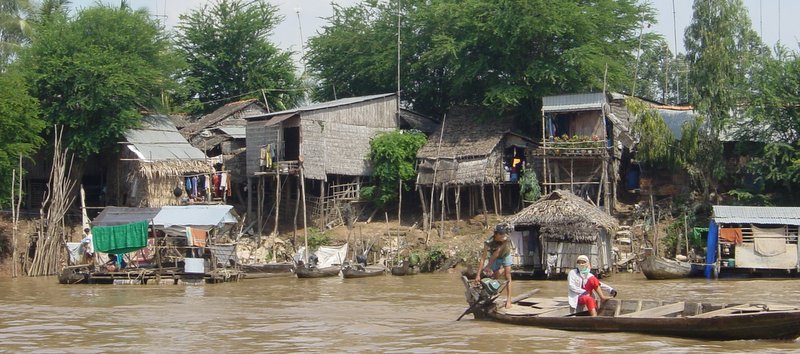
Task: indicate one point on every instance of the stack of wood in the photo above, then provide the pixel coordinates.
(50, 242)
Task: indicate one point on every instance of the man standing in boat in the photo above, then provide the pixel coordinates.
(498, 249)
(582, 283)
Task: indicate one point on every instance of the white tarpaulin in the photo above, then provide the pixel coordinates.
(327, 255)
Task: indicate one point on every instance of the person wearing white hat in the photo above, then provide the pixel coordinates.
(582, 284)
(498, 249)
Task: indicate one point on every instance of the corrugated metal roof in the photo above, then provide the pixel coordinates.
(159, 140)
(323, 105)
(195, 215)
(574, 102)
(113, 215)
(675, 120)
(234, 132)
(727, 214)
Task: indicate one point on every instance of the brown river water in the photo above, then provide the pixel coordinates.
(387, 314)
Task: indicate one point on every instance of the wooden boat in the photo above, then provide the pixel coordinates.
(358, 271)
(267, 270)
(314, 272)
(404, 270)
(668, 318)
(656, 268)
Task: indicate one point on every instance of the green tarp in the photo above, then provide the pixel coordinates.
(121, 238)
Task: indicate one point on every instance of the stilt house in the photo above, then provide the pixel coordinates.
(320, 151)
(221, 136)
(558, 228)
(477, 153)
(583, 139)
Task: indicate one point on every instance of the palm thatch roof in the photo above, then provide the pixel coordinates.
(563, 216)
(468, 132)
(233, 110)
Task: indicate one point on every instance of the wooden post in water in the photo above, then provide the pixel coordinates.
(305, 211)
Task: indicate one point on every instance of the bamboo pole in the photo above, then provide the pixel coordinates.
(400, 199)
(442, 196)
(424, 208)
(16, 200)
(277, 201)
(305, 211)
(433, 183)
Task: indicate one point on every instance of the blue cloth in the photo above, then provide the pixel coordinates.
(711, 253)
(502, 262)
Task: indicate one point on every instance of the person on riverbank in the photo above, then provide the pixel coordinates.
(582, 284)
(498, 251)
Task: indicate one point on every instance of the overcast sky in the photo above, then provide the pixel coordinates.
(773, 19)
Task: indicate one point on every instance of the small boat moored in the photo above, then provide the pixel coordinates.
(658, 268)
(315, 272)
(359, 271)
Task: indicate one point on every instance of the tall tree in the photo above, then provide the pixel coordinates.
(230, 56)
(19, 126)
(774, 110)
(721, 49)
(95, 73)
(502, 54)
(15, 28)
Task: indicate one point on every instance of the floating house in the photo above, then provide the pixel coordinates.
(551, 233)
(747, 240)
(171, 244)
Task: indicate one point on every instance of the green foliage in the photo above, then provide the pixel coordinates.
(230, 57)
(317, 238)
(503, 54)
(775, 114)
(15, 28)
(661, 75)
(529, 186)
(19, 127)
(94, 73)
(744, 197)
(656, 145)
(722, 50)
(392, 155)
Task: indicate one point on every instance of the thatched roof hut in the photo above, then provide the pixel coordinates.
(153, 163)
(563, 216)
(231, 111)
(471, 148)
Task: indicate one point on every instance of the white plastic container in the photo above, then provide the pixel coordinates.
(194, 265)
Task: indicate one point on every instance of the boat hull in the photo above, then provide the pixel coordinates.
(362, 273)
(659, 268)
(303, 272)
(770, 325)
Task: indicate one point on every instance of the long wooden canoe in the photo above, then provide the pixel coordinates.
(667, 318)
(362, 272)
(314, 272)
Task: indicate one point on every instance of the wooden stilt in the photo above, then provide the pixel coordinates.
(483, 202)
(305, 211)
(458, 203)
(277, 202)
(425, 218)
